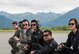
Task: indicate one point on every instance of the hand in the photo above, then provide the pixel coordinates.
(32, 52)
(25, 47)
(16, 38)
(60, 46)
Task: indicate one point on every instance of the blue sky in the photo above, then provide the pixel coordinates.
(21, 6)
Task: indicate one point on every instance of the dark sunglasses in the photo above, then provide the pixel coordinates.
(45, 35)
(21, 25)
(71, 24)
(25, 24)
(33, 24)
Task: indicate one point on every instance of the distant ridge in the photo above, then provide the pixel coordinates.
(5, 22)
(45, 19)
(63, 20)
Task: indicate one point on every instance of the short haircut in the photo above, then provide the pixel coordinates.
(34, 21)
(50, 33)
(15, 22)
(20, 23)
(26, 20)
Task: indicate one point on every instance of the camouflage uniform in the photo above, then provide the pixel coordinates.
(13, 42)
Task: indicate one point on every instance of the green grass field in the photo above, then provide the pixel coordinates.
(7, 30)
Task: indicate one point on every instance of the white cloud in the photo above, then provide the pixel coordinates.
(58, 6)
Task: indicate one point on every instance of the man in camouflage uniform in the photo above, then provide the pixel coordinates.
(15, 38)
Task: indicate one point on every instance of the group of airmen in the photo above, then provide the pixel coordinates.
(30, 39)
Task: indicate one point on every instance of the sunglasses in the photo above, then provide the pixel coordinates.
(25, 24)
(71, 23)
(20, 25)
(33, 24)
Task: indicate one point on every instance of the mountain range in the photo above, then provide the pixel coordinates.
(5, 22)
(63, 20)
(40, 16)
(45, 19)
